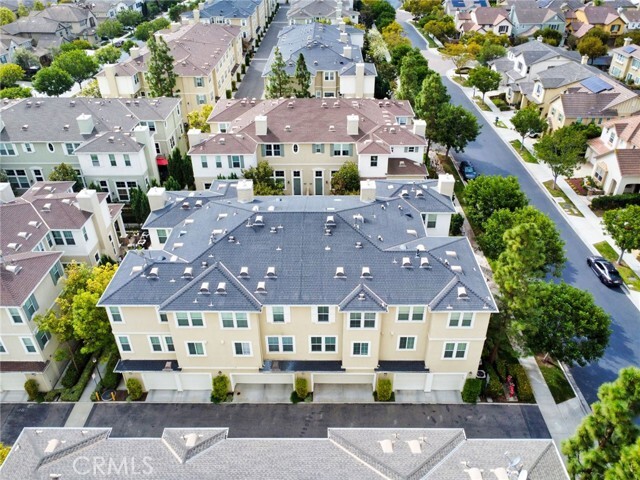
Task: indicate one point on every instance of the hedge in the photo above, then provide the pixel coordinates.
(525, 392)
(494, 387)
(32, 388)
(72, 375)
(501, 369)
(384, 389)
(302, 390)
(134, 387)
(221, 387)
(471, 390)
(74, 393)
(612, 202)
(111, 379)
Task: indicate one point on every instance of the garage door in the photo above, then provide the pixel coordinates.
(448, 381)
(12, 381)
(264, 378)
(344, 378)
(159, 380)
(195, 381)
(409, 381)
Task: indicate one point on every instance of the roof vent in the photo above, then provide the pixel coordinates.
(188, 273)
(456, 268)
(262, 287)
(186, 205)
(13, 268)
(25, 127)
(358, 244)
(51, 445)
(324, 104)
(273, 229)
(366, 273)
(406, 262)
(66, 201)
(332, 128)
(198, 204)
(462, 293)
(290, 105)
(136, 269)
(271, 272)
(191, 439)
(204, 264)
(330, 222)
(244, 272)
(220, 216)
(14, 246)
(404, 193)
(380, 238)
(221, 289)
(287, 128)
(420, 248)
(412, 232)
(24, 235)
(46, 207)
(419, 194)
(177, 245)
(153, 273)
(361, 296)
(259, 221)
(204, 288)
(327, 232)
(35, 224)
(231, 239)
(336, 104)
(392, 130)
(451, 253)
(387, 445)
(414, 446)
(340, 273)
(424, 262)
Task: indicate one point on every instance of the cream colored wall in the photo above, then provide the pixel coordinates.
(392, 330)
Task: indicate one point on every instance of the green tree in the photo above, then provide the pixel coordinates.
(484, 79)
(488, 194)
(109, 29)
(140, 205)
(77, 44)
(414, 68)
(160, 74)
(624, 226)
(399, 52)
(490, 51)
(279, 84)
(172, 185)
(458, 53)
(91, 90)
(455, 128)
(65, 173)
(429, 102)
(526, 121)
(550, 36)
(6, 16)
(263, 182)
(346, 181)
(493, 244)
(566, 324)
(107, 54)
(4, 452)
(443, 28)
(628, 466)
(38, 6)
(181, 169)
(421, 7)
(599, 33)
(52, 81)
(22, 11)
(596, 449)
(561, 150)
(129, 18)
(15, 92)
(303, 78)
(77, 64)
(198, 118)
(128, 44)
(10, 74)
(592, 47)
(26, 59)
(145, 30)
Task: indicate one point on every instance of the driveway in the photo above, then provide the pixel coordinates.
(309, 420)
(252, 85)
(16, 416)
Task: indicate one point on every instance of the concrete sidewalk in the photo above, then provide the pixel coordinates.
(82, 408)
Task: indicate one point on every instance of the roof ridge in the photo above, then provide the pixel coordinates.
(187, 286)
(64, 451)
(244, 290)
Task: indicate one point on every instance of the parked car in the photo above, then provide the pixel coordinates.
(605, 271)
(467, 171)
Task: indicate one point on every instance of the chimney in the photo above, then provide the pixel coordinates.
(584, 60)
(196, 16)
(157, 197)
(419, 128)
(200, 5)
(174, 27)
(88, 201)
(85, 124)
(134, 52)
(1, 124)
(344, 37)
(445, 184)
(347, 51)
(627, 41)
(352, 124)
(195, 137)
(367, 191)
(261, 125)
(539, 38)
(6, 194)
(359, 80)
(245, 191)
(342, 26)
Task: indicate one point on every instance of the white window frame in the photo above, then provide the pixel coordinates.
(331, 315)
(149, 337)
(280, 344)
(455, 350)
(33, 345)
(234, 319)
(243, 344)
(362, 320)
(119, 339)
(407, 337)
(12, 312)
(459, 318)
(368, 344)
(412, 311)
(323, 344)
(112, 315)
(8, 150)
(166, 344)
(189, 320)
(329, 75)
(285, 312)
(3, 348)
(28, 147)
(189, 354)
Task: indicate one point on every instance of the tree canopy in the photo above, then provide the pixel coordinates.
(160, 74)
(65, 172)
(455, 128)
(429, 103)
(592, 47)
(140, 205)
(484, 79)
(198, 118)
(458, 53)
(303, 78)
(52, 81)
(110, 29)
(561, 150)
(624, 226)
(15, 92)
(129, 18)
(172, 185)
(414, 68)
(77, 64)
(279, 84)
(145, 30)
(488, 194)
(107, 54)
(346, 181)
(527, 120)
(25, 58)
(181, 169)
(263, 181)
(10, 74)
(6, 16)
(490, 51)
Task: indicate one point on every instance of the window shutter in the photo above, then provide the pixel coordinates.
(322, 148)
(241, 161)
(229, 161)
(332, 146)
(281, 151)
(263, 148)
(350, 149)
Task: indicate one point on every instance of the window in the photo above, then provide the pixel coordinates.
(234, 320)
(503, 29)
(49, 238)
(124, 189)
(56, 273)
(277, 314)
(360, 349)
(168, 341)
(116, 316)
(280, 344)
(432, 219)
(538, 89)
(15, 315)
(27, 148)
(279, 177)
(199, 81)
(28, 345)
(635, 64)
(362, 320)
(64, 237)
(2, 347)
(323, 314)
(295, 148)
(406, 343)
(17, 178)
(42, 338)
(127, 160)
(223, 127)
(201, 99)
(341, 149)
(236, 161)
(125, 344)
(151, 125)
(318, 148)
(329, 76)
(189, 319)
(461, 319)
(615, 28)
(323, 344)
(37, 174)
(7, 150)
(411, 149)
(162, 235)
(157, 147)
(242, 349)
(95, 161)
(218, 161)
(203, 161)
(195, 349)
(413, 314)
(164, 318)
(30, 307)
(455, 350)
(272, 150)
(156, 344)
(51, 147)
(70, 148)
(374, 161)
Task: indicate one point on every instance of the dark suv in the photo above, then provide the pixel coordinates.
(467, 171)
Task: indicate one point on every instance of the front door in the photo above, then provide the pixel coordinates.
(297, 182)
(319, 182)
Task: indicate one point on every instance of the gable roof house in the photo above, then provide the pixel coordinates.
(307, 140)
(206, 61)
(625, 63)
(309, 11)
(109, 9)
(631, 18)
(334, 60)
(528, 20)
(451, 7)
(43, 32)
(9, 44)
(483, 20)
(604, 17)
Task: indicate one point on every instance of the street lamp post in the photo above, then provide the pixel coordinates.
(95, 362)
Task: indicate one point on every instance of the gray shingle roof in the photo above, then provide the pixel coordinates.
(226, 9)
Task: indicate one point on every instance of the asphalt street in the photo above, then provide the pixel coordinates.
(312, 420)
(16, 416)
(490, 156)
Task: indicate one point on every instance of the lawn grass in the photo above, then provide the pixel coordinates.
(556, 381)
(567, 205)
(500, 124)
(460, 80)
(630, 278)
(483, 106)
(526, 155)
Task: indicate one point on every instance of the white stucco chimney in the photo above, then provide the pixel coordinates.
(85, 124)
(245, 191)
(344, 37)
(6, 194)
(584, 60)
(195, 136)
(347, 51)
(134, 52)
(419, 127)
(342, 26)
(627, 42)
(446, 182)
(261, 125)
(157, 197)
(196, 16)
(353, 123)
(367, 191)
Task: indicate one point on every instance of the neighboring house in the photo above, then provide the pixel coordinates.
(606, 18)
(206, 59)
(44, 33)
(523, 62)
(9, 44)
(483, 20)
(625, 63)
(109, 9)
(453, 6)
(116, 143)
(310, 11)
(373, 453)
(615, 156)
(527, 20)
(266, 288)
(334, 60)
(307, 140)
(631, 18)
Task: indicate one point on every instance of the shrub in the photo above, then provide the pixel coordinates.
(228, 93)
(455, 228)
(233, 85)
(72, 375)
(471, 390)
(494, 387)
(384, 389)
(134, 387)
(525, 392)
(52, 395)
(32, 388)
(611, 202)
(501, 368)
(243, 69)
(302, 390)
(238, 76)
(111, 379)
(74, 393)
(221, 387)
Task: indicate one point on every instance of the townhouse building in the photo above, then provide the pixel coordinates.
(108, 9)
(336, 289)
(483, 20)
(206, 59)
(630, 17)
(529, 19)
(307, 140)
(605, 17)
(309, 11)
(118, 144)
(9, 44)
(451, 7)
(625, 63)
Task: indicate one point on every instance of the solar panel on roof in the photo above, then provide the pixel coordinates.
(458, 3)
(596, 85)
(629, 49)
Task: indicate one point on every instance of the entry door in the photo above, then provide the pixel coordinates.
(297, 182)
(319, 182)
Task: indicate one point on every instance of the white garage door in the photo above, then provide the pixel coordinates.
(448, 381)
(409, 381)
(344, 378)
(12, 381)
(264, 378)
(159, 380)
(196, 381)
